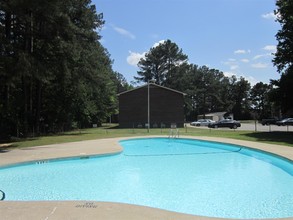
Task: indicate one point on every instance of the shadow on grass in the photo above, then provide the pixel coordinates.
(6, 148)
(15, 139)
(113, 127)
(276, 136)
(3, 150)
(76, 133)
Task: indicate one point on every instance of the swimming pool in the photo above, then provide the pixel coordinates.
(189, 176)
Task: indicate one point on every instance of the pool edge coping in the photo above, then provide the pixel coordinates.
(118, 210)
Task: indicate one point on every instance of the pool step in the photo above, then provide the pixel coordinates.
(174, 133)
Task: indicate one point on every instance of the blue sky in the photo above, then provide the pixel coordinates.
(234, 36)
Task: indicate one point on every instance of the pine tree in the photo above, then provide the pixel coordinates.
(160, 63)
(54, 73)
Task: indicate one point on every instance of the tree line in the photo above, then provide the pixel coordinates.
(54, 73)
(208, 90)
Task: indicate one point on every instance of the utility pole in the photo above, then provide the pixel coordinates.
(148, 106)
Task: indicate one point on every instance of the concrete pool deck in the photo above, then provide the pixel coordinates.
(92, 210)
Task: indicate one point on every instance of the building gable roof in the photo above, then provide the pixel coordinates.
(153, 84)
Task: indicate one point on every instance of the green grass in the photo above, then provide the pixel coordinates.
(110, 131)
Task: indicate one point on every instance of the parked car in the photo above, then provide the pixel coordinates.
(285, 121)
(202, 122)
(269, 121)
(228, 123)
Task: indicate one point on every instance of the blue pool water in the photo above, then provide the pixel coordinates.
(182, 175)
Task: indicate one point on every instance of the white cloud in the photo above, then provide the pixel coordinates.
(229, 74)
(271, 48)
(158, 43)
(241, 51)
(232, 63)
(259, 65)
(270, 15)
(262, 56)
(134, 58)
(258, 56)
(250, 79)
(245, 60)
(124, 32)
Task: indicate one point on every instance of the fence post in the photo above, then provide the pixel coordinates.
(255, 126)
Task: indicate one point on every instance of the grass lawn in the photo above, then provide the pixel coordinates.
(111, 131)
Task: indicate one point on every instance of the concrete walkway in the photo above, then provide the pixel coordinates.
(92, 210)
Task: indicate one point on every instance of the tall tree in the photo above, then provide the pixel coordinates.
(259, 96)
(54, 73)
(284, 56)
(241, 105)
(120, 82)
(160, 63)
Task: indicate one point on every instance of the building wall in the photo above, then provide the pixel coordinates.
(166, 107)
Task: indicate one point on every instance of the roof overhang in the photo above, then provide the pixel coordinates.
(153, 84)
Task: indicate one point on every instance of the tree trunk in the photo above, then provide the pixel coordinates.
(38, 106)
(25, 108)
